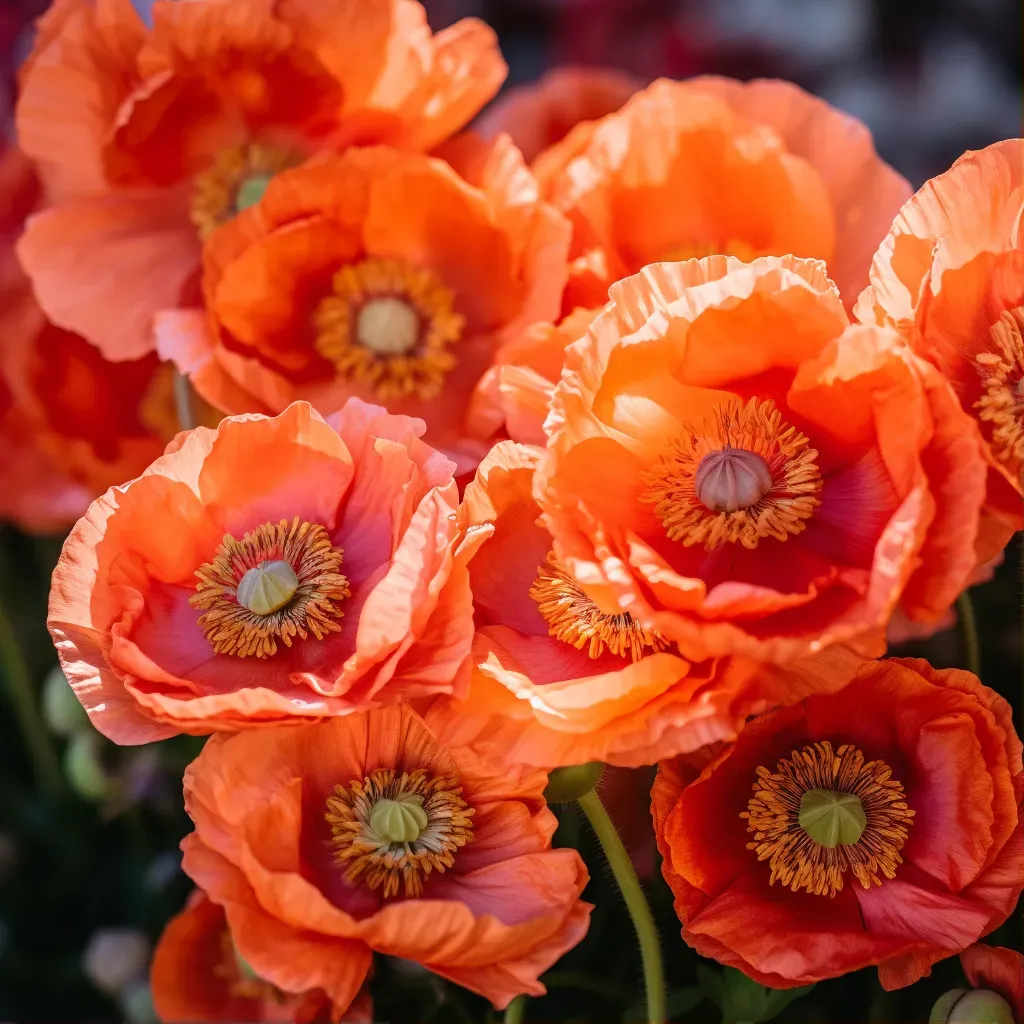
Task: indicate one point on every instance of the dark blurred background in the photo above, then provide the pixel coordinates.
(89, 876)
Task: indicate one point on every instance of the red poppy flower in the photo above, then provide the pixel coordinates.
(880, 825)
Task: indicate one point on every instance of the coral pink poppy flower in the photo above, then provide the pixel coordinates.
(364, 834)
(880, 825)
(392, 276)
(710, 165)
(270, 570)
(541, 113)
(950, 278)
(738, 467)
(197, 974)
(558, 682)
(149, 136)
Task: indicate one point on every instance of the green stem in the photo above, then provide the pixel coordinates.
(636, 903)
(515, 1013)
(38, 741)
(183, 402)
(969, 625)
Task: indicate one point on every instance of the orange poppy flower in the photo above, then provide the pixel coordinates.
(709, 165)
(148, 137)
(736, 466)
(513, 396)
(544, 112)
(558, 682)
(361, 834)
(999, 970)
(73, 423)
(271, 570)
(198, 975)
(950, 278)
(879, 826)
(378, 273)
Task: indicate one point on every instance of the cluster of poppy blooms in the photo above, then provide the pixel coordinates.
(620, 428)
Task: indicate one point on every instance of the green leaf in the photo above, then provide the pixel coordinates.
(679, 1002)
(780, 998)
(710, 984)
(743, 999)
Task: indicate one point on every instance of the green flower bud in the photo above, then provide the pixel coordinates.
(568, 784)
(971, 1006)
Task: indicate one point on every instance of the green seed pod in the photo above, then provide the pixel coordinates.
(568, 784)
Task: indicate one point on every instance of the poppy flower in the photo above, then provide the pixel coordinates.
(709, 166)
(364, 834)
(149, 136)
(271, 570)
(950, 278)
(556, 681)
(735, 465)
(880, 825)
(378, 273)
(197, 974)
(514, 393)
(541, 113)
(73, 423)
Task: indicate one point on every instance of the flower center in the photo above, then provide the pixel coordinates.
(234, 181)
(392, 830)
(742, 475)
(1002, 388)
(824, 812)
(573, 617)
(390, 326)
(277, 582)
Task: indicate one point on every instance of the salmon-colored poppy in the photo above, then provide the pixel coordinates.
(73, 423)
(149, 136)
(198, 975)
(542, 113)
(328, 842)
(558, 682)
(999, 970)
(875, 826)
(710, 165)
(950, 278)
(513, 396)
(743, 471)
(270, 570)
(379, 273)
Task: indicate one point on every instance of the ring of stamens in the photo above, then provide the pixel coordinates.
(389, 326)
(1001, 404)
(280, 581)
(235, 179)
(754, 440)
(366, 845)
(574, 618)
(778, 817)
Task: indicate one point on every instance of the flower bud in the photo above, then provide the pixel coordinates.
(568, 784)
(971, 1006)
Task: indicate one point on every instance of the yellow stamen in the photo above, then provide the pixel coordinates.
(869, 812)
(1002, 381)
(757, 477)
(574, 618)
(390, 326)
(236, 179)
(367, 816)
(238, 618)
